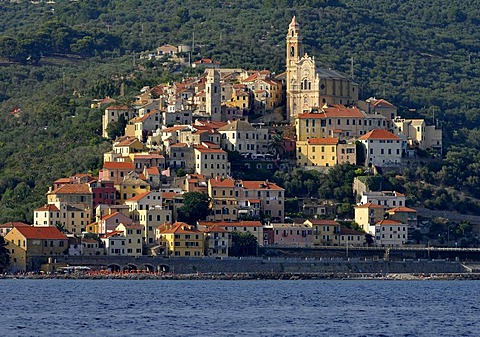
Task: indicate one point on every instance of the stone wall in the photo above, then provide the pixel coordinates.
(263, 265)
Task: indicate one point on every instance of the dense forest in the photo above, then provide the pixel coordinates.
(421, 55)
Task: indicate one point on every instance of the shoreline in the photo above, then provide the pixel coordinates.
(249, 276)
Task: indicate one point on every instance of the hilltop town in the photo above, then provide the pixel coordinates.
(179, 180)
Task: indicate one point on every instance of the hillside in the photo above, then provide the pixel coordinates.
(421, 55)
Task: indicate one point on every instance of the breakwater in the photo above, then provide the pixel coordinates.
(207, 265)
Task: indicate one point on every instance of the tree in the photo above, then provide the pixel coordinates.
(4, 255)
(277, 143)
(116, 129)
(196, 206)
(243, 244)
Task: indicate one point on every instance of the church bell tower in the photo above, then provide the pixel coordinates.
(294, 54)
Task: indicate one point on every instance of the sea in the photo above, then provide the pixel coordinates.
(54, 307)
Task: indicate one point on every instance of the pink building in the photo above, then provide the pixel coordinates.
(291, 235)
(109, 222)
(115, 171)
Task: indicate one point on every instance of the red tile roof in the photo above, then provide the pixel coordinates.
(260, 185)
(388, 222)
(113, 165)
(323, 141)
(48, 208)
(180, 228)
(153, 171)
(72, 189)
(13, 224)
(217, 182)
(402, 209)
(138, 197)
(379, 134)
(369, 205)
(42, 233)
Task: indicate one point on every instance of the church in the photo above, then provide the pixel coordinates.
(308, 87)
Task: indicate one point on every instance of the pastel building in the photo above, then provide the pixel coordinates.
(325, 232)
(382, 148)
(291, 235)
(389, 233)
(26, 242)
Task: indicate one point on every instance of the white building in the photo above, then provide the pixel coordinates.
(389, 233)
(388, 199)
(382, 148)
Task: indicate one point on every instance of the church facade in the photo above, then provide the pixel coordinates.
(308, 87)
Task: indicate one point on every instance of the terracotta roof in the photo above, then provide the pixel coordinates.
(217, 182)
(369, 205)
(43, 233)
(174, 128)
(180, 228)
(138, 197)
(126, 219)
(260, 185)
(204, 149)
(402, 209)
(171, 195)
(72, 189)
(113, 165)
(13, 224)
(63, 181)
(379, 134)
(382, 103)
(148, 156)
(388, 222)
(254, 201)
(48, 208)
(125, 141)
(323, 141)
(113, 233)
(153, 171)
(215, 229)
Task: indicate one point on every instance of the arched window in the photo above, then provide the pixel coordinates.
(292, 50)
(305, 84)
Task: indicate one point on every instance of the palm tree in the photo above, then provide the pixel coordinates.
(277, 143)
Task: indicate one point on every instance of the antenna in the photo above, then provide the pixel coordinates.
(351, 66)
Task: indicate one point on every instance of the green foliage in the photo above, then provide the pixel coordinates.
(4, 255)
(420, 54)
(243, 244)
(196, 206)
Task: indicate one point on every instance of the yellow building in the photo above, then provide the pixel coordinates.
(332, 121)
(133, 234)
(181, 240)
(25, 242)
(368, 214)
(325, 232)
(317, 152)
(223, 195)
(72, 219)
(131, 186)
